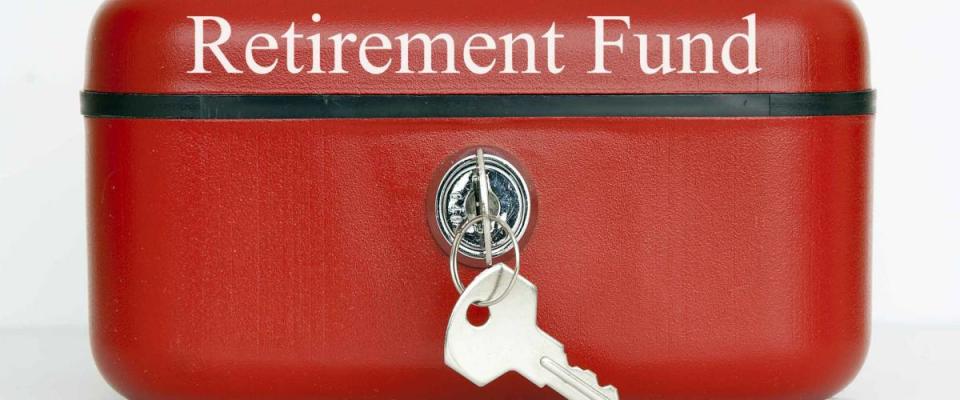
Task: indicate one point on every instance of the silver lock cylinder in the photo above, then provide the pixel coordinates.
(460, 195)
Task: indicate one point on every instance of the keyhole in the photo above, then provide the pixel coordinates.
(478, 316)
(473, 202)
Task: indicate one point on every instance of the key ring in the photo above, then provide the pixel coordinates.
(455, 251)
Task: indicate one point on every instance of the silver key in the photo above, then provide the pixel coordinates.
(511, 341)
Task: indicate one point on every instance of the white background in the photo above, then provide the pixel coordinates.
(916, 241)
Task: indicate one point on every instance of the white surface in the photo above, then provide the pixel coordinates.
(49, 363)
(916, 268)
(905, 363)
(916, 257)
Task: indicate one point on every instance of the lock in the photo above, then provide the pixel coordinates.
(460, 196)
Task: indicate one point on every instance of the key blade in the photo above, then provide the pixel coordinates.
(577, 383)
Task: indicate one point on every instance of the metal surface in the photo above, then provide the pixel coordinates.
(483, 184)
(465, 192)
(511, 341)
(455, 273)
(243, 229)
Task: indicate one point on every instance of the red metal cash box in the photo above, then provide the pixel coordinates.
(268, 215)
